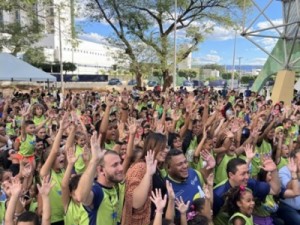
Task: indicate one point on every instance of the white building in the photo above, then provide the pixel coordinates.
(58, 20)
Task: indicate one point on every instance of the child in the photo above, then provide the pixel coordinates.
(74, 212)
(38, 114)
(239, 204)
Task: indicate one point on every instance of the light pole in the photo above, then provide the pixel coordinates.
(240, 70)
(233, 61)
(60, 53)
(175, 48)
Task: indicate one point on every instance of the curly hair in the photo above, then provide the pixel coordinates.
(232, 197)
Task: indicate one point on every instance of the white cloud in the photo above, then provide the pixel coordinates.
(94, 37)
(213, 52)
(257, 61)
(267, 24)
(267, 43)
(207, 59)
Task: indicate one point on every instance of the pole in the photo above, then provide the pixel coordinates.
(233, 61)
(240, 72)
(60, 53)
(175, 48)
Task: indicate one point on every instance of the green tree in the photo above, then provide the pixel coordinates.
(19, 34)
(214, 66)
(227, 76)
(153, 24)
(68, 66)
(247, 79)
(35, 56)
(187, 73)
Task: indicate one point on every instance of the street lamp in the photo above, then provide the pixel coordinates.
(57, 7)
(60, 53)
(175, 49)
(233, 61)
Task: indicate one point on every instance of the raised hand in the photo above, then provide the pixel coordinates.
(171, 194)
(268, 164)
(45, 189)
(160, 127)
(109, 101)
(206, 191)
(181, 206)
(97, 152)
(132, 125)
(208, 157)
(71, 157)
(249, 152)
(292, 166)
(16, 187)
(157, 199)
(150, 162)
(64, 123)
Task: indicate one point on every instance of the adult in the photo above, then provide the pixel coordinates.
(142, 177)
(101, 197)
(289, 208)
(238, 174)
(187, 182)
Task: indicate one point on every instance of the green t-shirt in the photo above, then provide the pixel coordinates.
(109, 207)
(109, 146)
(38, 120)
(9, 129)
(266, 208)
(265, 149)
(57, 209)
(27, 146)
(2, 211)
(221, 173)
(248, 220)
(33, 206)
(283, 162)
(79, 165)
(76, 214)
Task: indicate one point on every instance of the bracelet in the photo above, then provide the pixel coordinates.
(125, 108)
(294, 178)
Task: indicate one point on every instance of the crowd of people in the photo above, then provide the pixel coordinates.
(149, 157)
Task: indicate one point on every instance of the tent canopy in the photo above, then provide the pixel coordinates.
(12, 68)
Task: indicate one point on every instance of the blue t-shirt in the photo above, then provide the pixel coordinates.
(189, 189)
(259, 189)
(285, 177)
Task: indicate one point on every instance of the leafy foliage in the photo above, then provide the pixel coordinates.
(187, 73)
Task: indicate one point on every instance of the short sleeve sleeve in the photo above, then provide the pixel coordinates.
(284, 176)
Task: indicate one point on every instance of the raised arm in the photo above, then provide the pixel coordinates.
(15, 189)
(44, 191)
(132, 131)
(84, 191)
(105, 120)
(160, 204)
(64, 123)
(270, 166)
(66, 179)
(140, 193)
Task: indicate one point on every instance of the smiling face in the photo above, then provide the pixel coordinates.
(178, 167)
(246, 203)
(240, 177)
(112, 169)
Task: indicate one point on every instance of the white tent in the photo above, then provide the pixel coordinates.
(14, 69)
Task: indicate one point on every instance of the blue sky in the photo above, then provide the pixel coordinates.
(218, 46)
